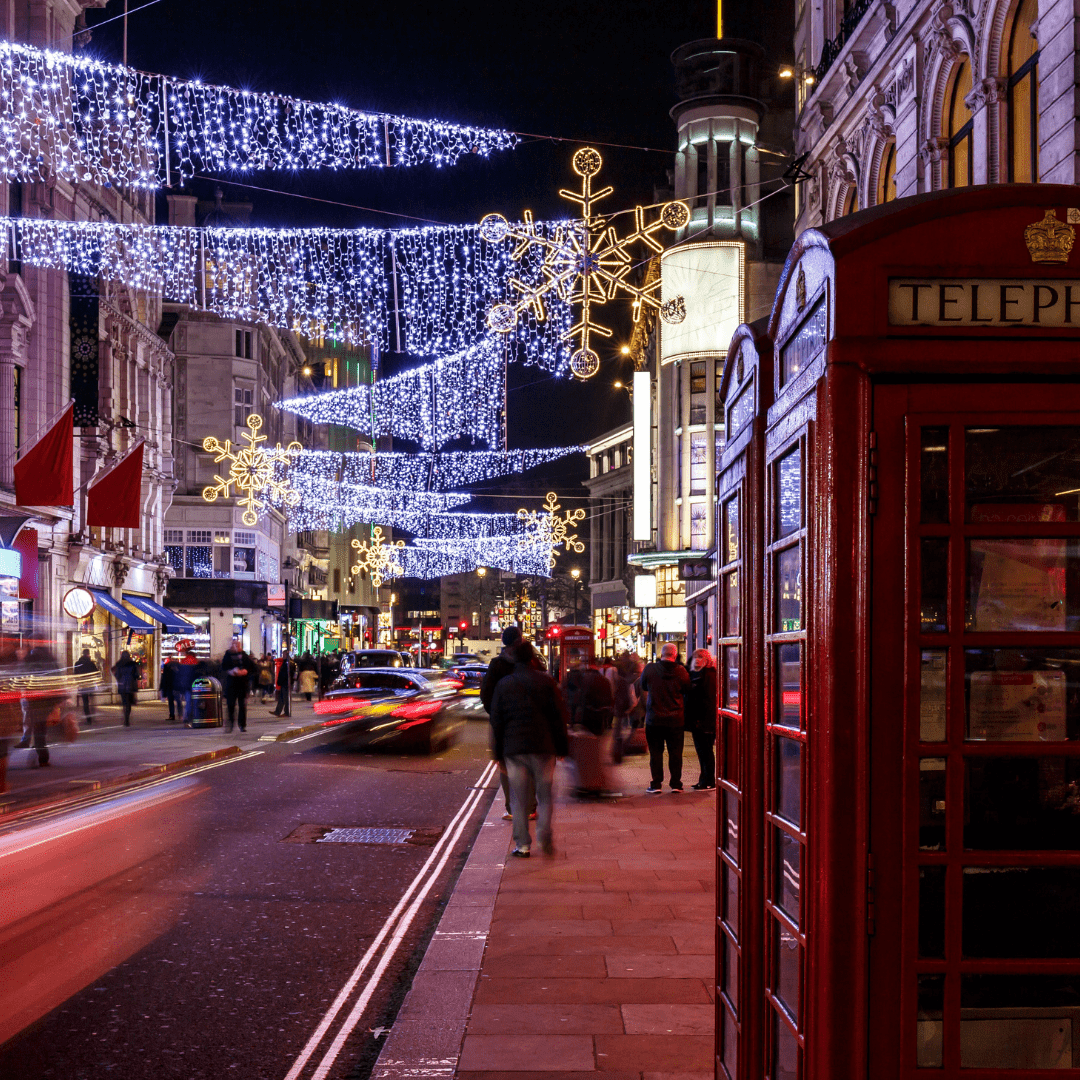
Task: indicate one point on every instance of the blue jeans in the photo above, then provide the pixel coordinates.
(539, 769)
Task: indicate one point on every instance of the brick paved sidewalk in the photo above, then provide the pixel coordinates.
(601, 958)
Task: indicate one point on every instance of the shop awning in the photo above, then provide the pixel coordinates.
(119, 612)
(172, 623)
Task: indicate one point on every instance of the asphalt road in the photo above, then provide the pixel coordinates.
(219, 953)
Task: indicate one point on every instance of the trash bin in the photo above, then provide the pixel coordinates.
(205, 703)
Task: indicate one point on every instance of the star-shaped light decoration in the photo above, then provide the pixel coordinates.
(257, 474)
(548, 528)
(585, 263)
(380, 559)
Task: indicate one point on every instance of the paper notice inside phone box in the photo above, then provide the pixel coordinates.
(1017, 706)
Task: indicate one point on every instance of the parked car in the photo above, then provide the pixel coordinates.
(374, 658)
(395, 706)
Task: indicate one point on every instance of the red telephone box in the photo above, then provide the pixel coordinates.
(571, 646)
(899, 581)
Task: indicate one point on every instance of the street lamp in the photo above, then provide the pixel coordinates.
(481, 573)
(576, 575)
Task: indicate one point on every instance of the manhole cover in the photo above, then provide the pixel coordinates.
(370, 834)
(365, 836)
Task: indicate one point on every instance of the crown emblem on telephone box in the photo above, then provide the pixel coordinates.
(1049, 240)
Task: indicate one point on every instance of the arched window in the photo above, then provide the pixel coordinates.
(959, 122)
(886, 177)
(1023, 78)
(851, 200)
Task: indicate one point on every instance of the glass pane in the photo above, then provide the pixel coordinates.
(731, 530)
(789, 780)
(786, 966)
(1022, 474)
(934, 470)
(932, 804)
(932, 912)
(729, 968)
(932, 696)
(1022, 695)
(934, 579)
(1022, 804)
(785, 1051)
(928, 1021)
(788, 873)
(731, 604)
(789, 686)
(731, 1045)
(730, 894)
(1031, 911)
(731, 677)
(1018, 1021)
(789, 482)
(788, 590)
(1023, 585)
(199, 562)
(731, 824)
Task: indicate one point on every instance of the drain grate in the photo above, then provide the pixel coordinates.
(365, 836)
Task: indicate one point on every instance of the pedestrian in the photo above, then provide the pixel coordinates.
(528, 723)
(663, 683)
(284, 685)
(126, 673)
(85, 667)
(266, 678)
(237, 666)
(39, 704)
(183, 679)
(499, 668)
(309, 680)
(10, 709)
(700, 714)
(167, 686)
(590, 705)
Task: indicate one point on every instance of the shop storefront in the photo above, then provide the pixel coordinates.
(110, 629)
(315, 626)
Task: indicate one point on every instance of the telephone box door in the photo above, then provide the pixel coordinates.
(975, 732)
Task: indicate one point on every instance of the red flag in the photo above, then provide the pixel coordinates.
(114, 497)
(43, 475)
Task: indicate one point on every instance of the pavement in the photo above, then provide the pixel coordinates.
(597, 960)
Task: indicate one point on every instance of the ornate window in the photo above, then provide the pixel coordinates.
(886, 181)
(1023, 81)
(959, 124)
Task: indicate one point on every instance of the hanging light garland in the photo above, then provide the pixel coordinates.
(90, 122)
(339, 506)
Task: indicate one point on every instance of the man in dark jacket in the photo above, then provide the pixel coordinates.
(237, 666)
(528, 724)
(283, 683)
(664, 683)
(167, 685)
(85, 667)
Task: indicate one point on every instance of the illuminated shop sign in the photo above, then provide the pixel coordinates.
(967, 302)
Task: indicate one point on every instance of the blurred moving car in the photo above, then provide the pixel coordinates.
(395, 706)
(458, 660)
(374, 658)
(471, 676)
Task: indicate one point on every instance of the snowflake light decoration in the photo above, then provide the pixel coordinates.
(380, 559)
(255, 473)
(548, 528)
(585, 263)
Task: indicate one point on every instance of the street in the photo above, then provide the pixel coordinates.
(221, 953)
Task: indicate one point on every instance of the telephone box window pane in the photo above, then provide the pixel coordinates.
(730, 894)
(1022, 474)
(932, 804)
(1019, 585)
(932, 912)
(789, 483)
(934, 575)
(789, 686)
(731, 677)
(1045, 901)
(731, 824)
(1022, 694)
(731, 604)
(786, 954)
(1018, 1021)
(934, 474)
(928, 1026)
(932, 695)
(789, 780)
(731, 530)
(729, 969)
(788, 873)
(731, 1045)
(1022, 804)
(785, 1051)
(788, 590)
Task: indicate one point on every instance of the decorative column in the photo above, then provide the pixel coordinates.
(17, 316)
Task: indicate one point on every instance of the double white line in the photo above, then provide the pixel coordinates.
(395, 927)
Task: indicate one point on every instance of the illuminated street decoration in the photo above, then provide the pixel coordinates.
(550, 530)
(380, 559)
(256, 474)
(585, 263)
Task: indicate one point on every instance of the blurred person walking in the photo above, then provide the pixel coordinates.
(590, 705)
(167, 686)
(528, 723)
(126, 673)
(286, 672)
(237, 667)
(664, 683)
(39, 704)
(11, 716)
(83, 667)
(266, 678)
(700, 715)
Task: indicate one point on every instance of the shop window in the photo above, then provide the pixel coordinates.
(698, 399)
(1023, 99)
(243, 560)
(174, 536)
(669, 587)
(222, 561)
(198, 562)
(699, 463)
(960, 123)
(174, 556)
(886, 185)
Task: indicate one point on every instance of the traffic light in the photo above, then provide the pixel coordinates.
(554, 631)
(463, 625)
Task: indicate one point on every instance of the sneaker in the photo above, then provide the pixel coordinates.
(677, 790)
(520, 853)
(532, 816)
(548, 848)
(508, 816)
(703, 787)
(654, 789)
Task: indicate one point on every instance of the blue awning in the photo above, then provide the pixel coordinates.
(119, 612)
(172, 623)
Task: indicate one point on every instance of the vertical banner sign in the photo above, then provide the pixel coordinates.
(83, 291)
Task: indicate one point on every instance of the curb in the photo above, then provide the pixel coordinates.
(292, 733)
(10, 811)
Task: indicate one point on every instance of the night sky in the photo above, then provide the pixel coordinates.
(584, 72)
